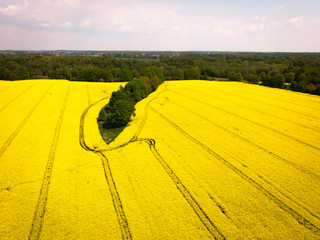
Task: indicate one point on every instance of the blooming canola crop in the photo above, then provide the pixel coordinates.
(200, 160)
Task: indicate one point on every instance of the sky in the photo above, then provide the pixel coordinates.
(161, 25)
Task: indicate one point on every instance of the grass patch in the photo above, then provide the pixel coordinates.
(109, 134)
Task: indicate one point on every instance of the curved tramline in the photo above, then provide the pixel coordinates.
(191, 164)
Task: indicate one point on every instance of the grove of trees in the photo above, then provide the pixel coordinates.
(120, 108)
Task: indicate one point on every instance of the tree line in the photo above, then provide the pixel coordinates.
(295, 71)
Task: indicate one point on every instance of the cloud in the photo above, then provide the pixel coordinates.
(155, 24)
(45, 25)
(126, 28)
(66, 24)
(12, 10)
(297, 22)
(86, 23)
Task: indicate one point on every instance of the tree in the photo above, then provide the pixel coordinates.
(120, 113)
(310, 88)
(302, 77)
(289, 77)
(126, 75)
(136, 90)
(118, 95)
(235, 77)
(301, 86)
(252, 78)
(277, 81)
(317, 90)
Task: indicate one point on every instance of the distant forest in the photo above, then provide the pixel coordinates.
(294, 71)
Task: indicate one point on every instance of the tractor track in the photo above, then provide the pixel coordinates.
(122, 220)
(206, 221)
(19, 95)
(116, 201)
(123, 223)
(37, 222)
(298, 217)
(296, 166)
(274, 98)
(252, 109)
(299, 167)
(5, 89)
(145, 116)
(248, 120)
(24, 121)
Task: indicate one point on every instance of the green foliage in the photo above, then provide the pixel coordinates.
(235, 77)
(317, 90)
(289, 77)
(120, 113)
(120, 108)
(302, 68)
(126, 75)
(252, 78)
(277, 81)
(301, 86)
(117, 95)
(136, 89)
(310, 88)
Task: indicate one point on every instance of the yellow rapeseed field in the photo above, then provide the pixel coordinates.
(200, 160)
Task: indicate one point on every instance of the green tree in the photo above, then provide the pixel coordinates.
(117, 95)
(126, 75)
(120, 113)
(252, 78)
(277, 81)
(317, 90)
(289, 77)
(301, 86)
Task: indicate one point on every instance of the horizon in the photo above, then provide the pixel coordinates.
(163, 25)
(151, 51)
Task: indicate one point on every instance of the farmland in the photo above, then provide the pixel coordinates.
(200, 160)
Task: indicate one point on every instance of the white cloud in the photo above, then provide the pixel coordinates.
(45, 25)
(86, 23)
(67, 24)
(256, 27)
(158, 24)
(12, 10)
(297, 22)
(126, 28)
